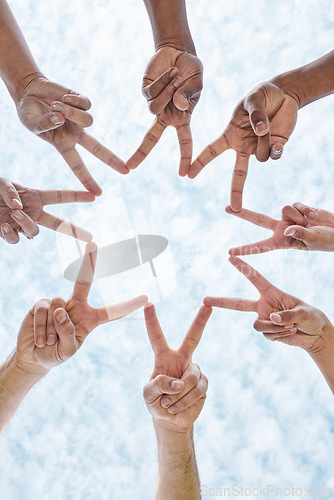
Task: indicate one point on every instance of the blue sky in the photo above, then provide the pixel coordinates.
(84, 432)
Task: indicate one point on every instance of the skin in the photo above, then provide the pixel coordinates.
(175, 396)
(51, 333)
(172, 82)
(301, 227)
(263, 121)
(21, 210)
(285, 318)
(55, 113)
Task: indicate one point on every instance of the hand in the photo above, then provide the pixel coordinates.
(177, 389)
(281, 316)
(301, 227)
(13, 220)
(261, 124)
(172, 85)
(58, 116)
(54, 330)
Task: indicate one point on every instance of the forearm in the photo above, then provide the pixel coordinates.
(311, 82)
(14, 385)
(170, 25)
(177, 477)
(17, 65)
(324, 357)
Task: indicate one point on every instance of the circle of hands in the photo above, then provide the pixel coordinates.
(261, 125)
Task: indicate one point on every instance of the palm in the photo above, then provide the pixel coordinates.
(32, 203)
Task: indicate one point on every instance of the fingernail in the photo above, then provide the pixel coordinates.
(18, 215)
(17, 203)
(293, 330)
(277, 151)
(5, 228)
(313, 215)
(56, 120)
(276, 317)
(260, 127)
(40, 342)
(177, 82)
(51, 340)
(68, 99)
(61, 316)
(58, 107)
(171, 410)
(289, 232)
(176, 385)
(165, 403)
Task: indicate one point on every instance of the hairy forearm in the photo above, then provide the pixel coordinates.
(169, 24)
(14, 385)
(324, 357)
(311, 82)
(177, 477)
(17, 65)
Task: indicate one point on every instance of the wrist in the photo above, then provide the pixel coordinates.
(27, 370)
(17, 380)
(183, 44)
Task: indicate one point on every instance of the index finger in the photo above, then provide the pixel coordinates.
(117, 311)
(102, 153)
(253, 217)
(85, 276)
(150, 140)
(231, 303)
(260, 283)
(208, 154)
(195, 331)
(56, 196)
(154, 331)
(186, 148)
(76, 164)
(238, 181)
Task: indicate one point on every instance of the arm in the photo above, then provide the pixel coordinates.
(14, 385)
(17, 65)
(177, 477)
(310, 82)
(170, 25)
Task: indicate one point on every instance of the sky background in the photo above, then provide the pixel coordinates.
(83, 432)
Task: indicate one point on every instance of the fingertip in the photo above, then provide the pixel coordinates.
(148, 305)
(177, 385)
(91, 247)
(290, 231)
(180, 101)
(57, 119)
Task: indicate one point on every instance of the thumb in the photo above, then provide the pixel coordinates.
(289, 316)
(44, 123)
(65, 329)
(191, 89)
(9, 194)
(301, 233)
(254, 104)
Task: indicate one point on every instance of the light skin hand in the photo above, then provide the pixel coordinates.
(177, 389)
(59, 115)
(172, 85)
(54, 330)
(22, 209)
(261, 125)
(281, 316)
(301, 227)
